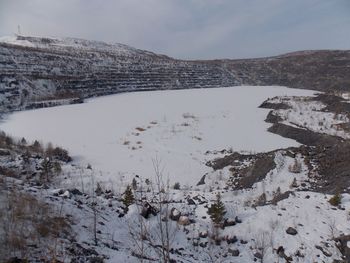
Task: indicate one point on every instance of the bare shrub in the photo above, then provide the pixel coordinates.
(177, 186)
(26, 224)
(261, 201)
(262, 242)
(296, 167)
(153, 239)
(61, 154)
(140, 129)
(188, 115)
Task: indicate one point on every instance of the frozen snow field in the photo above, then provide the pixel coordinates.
(121, 134)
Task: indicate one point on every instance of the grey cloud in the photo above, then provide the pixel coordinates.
(190, 29)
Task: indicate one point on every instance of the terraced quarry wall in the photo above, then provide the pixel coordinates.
(39, 72)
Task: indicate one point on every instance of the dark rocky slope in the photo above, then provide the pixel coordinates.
(323, 70)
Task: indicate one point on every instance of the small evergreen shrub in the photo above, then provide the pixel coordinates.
(217, 210)
(128, 197)
(177, 186)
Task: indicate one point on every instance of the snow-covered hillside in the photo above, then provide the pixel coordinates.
(58, 44)
(282, 205)
(149, 167)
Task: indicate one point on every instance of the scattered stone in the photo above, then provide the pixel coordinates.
(324, 251)
(233, 252)
(148, 210)
(280, 251)
(203, 244)
(96, 260)
(66, 194)
(16, 260)
(258, 255)
(343, 244)
(190, 201)
(217, 241)
(174, 214)
(202, 180)
(238, 220)
(183, 220)
(291, 231)
(75, 192)
(203, 234)
(299, 254)
(229, 222)
(231, 240)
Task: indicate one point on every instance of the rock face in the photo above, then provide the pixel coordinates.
(40, 72)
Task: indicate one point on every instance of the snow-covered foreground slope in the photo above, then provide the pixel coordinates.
(120, 135)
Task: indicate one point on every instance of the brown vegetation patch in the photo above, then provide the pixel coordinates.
(140, 129)
(29, 227)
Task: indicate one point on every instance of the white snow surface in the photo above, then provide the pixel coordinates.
(120, 135)
(64, 43)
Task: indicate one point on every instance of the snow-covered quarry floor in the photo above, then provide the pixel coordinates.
(120, 135)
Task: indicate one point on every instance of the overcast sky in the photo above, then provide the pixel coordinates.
(188, 29)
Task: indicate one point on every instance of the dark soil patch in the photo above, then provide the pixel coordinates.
(243, 176)
(332, 166)
(304, 136)
(341, 243)
(276, 106)
(272, 118)
(334, 103)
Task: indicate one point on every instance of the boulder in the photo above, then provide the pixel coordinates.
(174, 214)
(231, 240)
(258, 255)
(147, 210)
(190, 201)
(75, 192)
(229, 222)
(324, 251)
(203, 234)
(233, 252)
(183, 220)
(66, 194)
(202, 180)
(291, 231)
(238, 220)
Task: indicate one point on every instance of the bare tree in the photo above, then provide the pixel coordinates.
(332, 226)
(164, 233)
(151, 238)
(139, 234)
(263, 243)
(94, 209)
